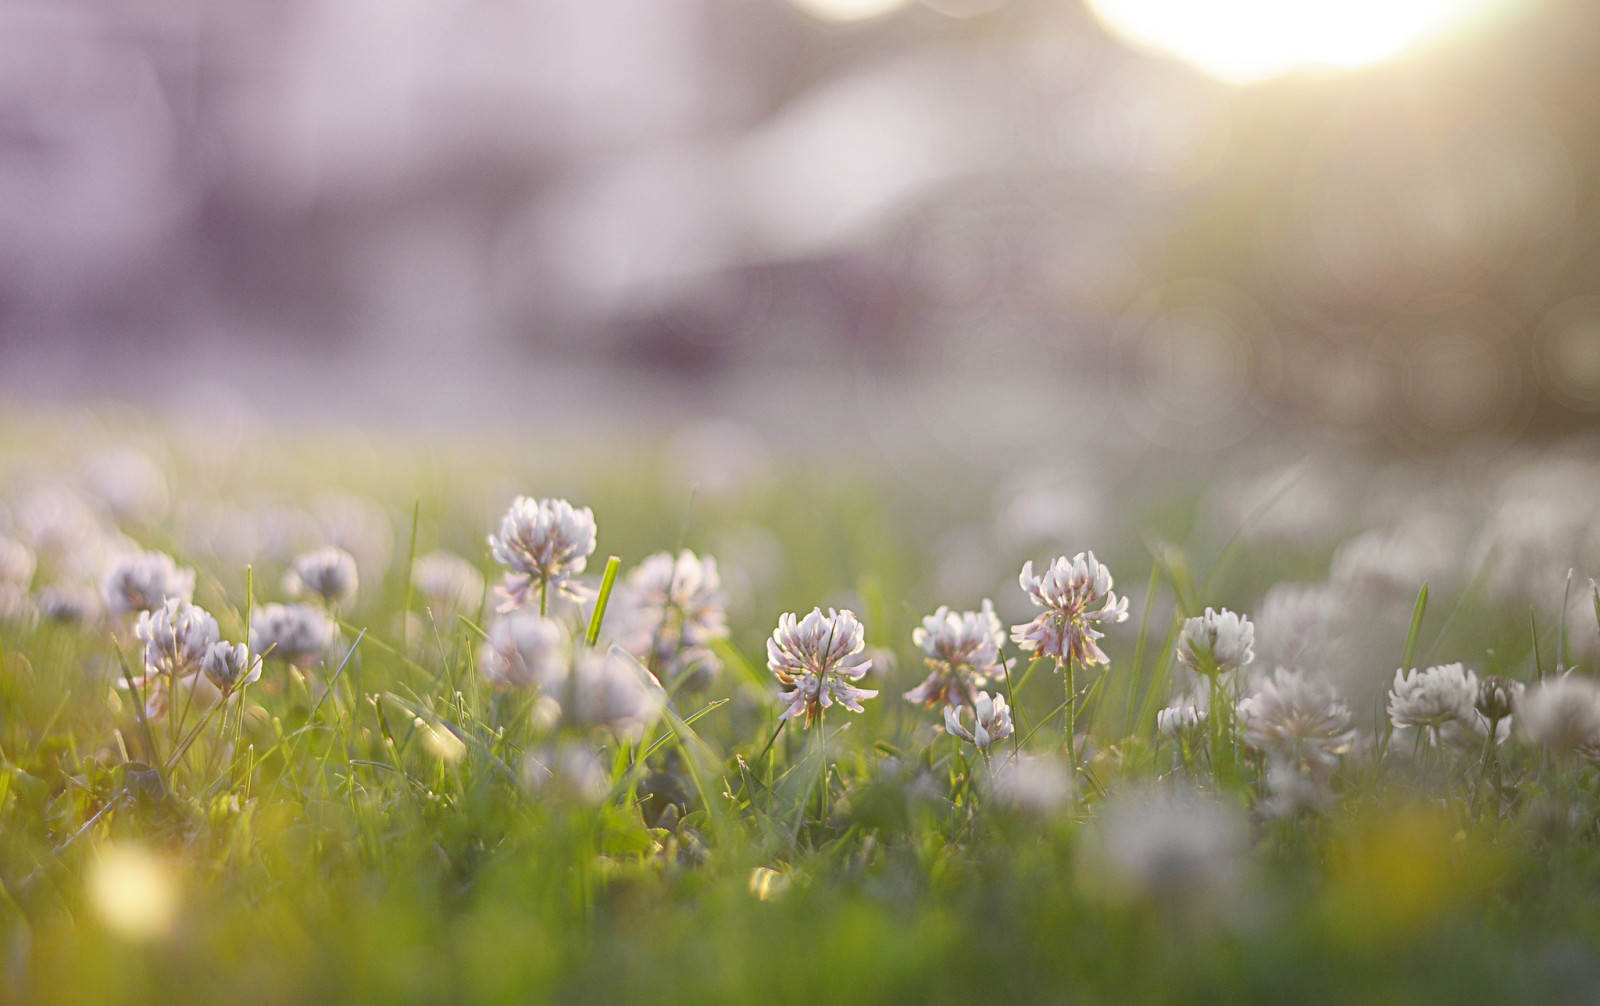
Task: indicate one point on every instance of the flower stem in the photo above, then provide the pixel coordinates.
(1071, 718)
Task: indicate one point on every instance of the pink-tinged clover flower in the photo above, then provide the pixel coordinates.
(962, 650)
(1069, 592)
(544, 544)
(991, 721)
(817, 657)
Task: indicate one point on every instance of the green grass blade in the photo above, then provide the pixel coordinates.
(606, 583)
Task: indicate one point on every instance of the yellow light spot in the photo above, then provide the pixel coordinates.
(767, 884)
(1249, 40)
(133, 892)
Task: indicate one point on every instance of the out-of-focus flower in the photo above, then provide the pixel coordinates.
(1298, 788)
(17, 564)
(818, 656)
(357, 525)
(329, 574)
(1181, 717)
(1562, 713)
(227, 665)
(1497, 697)
(571, 770)
(612, 690)
(991, 721)
(129, 483)
(1067, 592)
(544, 544)
(1034, 784)
(447, 583)
(144, 581)
(962, 650)
(294, 633)
(1294, 620)
(71, 605)
(1216, 642)
(176, 637)
(1433, 697)
(525, 650)
(1296, 718)
(673, 611)
(1169, 843)
(64, 531)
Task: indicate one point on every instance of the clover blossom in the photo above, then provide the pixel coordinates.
(991, 721)
(543, 544)
(447, 582)
(144, 581)
(614, 691)
(818, 656)
(524, 650)
(674, 609)
(1433, 697)
(329, 574)
(1216, 642)
(962, 650)
(1182, 716)
(1067, 592)
(1562, 713)
(176, 636)
(1296, 718)
(227, 666)
(297, 634)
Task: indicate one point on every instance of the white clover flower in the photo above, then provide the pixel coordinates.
(818, 656)
(544, 544)
(962, 650)
(1295, 620)
(1169, 843)
(447, 582)
(525, 650)
(176, 637)
(1296, 718)
(1431, 698)
(1562, 713)
(329, 574)
(144, 581)
(1216, 642)
(1182, 716)
(1298, 787)
(64, 531)
(615, 692)
(296, 634)
(1067, 591)
(991, 721)
(1033, 784)
(1498, 698)
(227, 666)
(571, 770)
(673, 610)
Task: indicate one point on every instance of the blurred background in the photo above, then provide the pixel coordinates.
(1033, 223)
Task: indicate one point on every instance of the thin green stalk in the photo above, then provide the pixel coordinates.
(612, 565)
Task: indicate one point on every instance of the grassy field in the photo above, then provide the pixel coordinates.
(422, 798)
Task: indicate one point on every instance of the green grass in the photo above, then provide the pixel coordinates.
(325, 843)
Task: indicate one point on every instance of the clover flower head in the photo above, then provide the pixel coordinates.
(818, 656)
(991, 721)
(672, 611)
(1068, 592)
(1297, 718)
(1562, 713)
(1033, 784)
(447, 582)
(1169, 843)
(614, 692)
(962, 651)
(1182, 716)
(572, 770)
(525, 650)
(1433, 697)
(176, 637)
(296, 634)
(1498, 697)
(544, 544)
(144, 581)
(71, 605)
(1216, 642)
(1297, 787)
(227, 665)
(328, 574)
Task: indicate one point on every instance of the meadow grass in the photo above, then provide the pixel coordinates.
(385, 823)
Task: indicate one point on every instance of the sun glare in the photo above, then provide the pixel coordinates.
(1250, 40)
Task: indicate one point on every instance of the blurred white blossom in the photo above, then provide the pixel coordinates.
(294, 633)
(1295, 717)
(1169, 843)
(1562, 713)
(525, 650)
(613, 691)
(1216, 642)
(447, 583)
(991, 721)
(328, 574)
(144, 582)
(671, 612)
